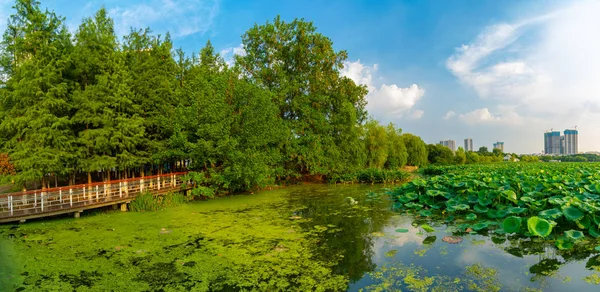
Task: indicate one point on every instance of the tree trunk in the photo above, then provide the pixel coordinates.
(55, 181)
(44, 182)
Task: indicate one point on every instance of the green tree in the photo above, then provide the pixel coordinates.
(483, 151)
(154, 81)
(36, 104)
(439, 154)
(376, 144)
(397, 154)
(472, 157)
(321, 109)
(416, 149)
(106, 119)
(460, 156)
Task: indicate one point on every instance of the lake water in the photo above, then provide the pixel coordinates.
(301, 238)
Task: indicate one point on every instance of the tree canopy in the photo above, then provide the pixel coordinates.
(92, 106)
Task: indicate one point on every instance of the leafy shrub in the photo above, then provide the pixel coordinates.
(149, 202)
(370, 175)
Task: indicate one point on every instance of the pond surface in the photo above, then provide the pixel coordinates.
(302, 238)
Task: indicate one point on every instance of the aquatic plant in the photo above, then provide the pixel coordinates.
(543, 200)
(150, 202)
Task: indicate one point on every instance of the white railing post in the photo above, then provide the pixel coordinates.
(120, 189)
(42, 199)
(60, 196)
(71, 197)
(96, 193)
(10, 202)
(84, 196)
(34, 199)
(158, 183)
(141, 185)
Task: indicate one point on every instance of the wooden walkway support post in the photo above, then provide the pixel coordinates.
(10, 202)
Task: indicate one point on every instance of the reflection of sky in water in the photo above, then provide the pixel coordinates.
(451, 260)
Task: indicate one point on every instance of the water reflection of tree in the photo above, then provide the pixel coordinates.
(350, 240)
(550, 258)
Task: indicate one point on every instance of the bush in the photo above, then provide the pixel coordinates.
(370, 175)
(149, 202)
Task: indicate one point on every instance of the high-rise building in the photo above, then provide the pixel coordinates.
(571, 143)
(450, 144)
(555, 144)
(468, 144)
(499, 145)
(552, 142)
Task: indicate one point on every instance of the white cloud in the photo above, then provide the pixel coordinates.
(543, 68)
(180, 18)
(449, 115)
(387, 100)
(229, 53)
(505, 116)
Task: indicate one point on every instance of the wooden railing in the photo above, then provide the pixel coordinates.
(40, 203)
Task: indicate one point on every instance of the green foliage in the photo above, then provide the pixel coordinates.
(370, 175)
(546, 197)
(91, 104)
(148, 202)
(417, 150)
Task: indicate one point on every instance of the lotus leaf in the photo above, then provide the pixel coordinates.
(539, 227)
(425, 213)
(429, 240)
(550, 214)
(574, 234)
(510, 195)
(480, 209)
(584, 223)
(471, 216)
(597, 248)
(412, 196)
(527, 199)
(435, 193)
(401, 230)
(517, 210)
(593, 231)
(511, 224)
(572, 213)
(412, 205)
(564, 243)
(427, 228)
(479, 226)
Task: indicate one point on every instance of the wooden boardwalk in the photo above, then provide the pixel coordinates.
(21, 206)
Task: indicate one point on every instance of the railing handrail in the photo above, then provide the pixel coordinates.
(56, 189)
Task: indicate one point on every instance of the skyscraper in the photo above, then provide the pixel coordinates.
(570, 138)
(468, 144)
(552, 142)
(555, 144)
(450, 144)
(499, 145)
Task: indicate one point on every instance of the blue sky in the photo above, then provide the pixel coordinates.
(489, 70)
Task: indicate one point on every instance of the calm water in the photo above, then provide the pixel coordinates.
(300, 238)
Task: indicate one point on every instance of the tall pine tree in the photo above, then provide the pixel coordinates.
(36, 124)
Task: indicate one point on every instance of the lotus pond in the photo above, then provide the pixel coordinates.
(330, 238)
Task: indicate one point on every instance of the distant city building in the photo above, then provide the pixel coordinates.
(552, 143)
(468, 144)
(450, 144)
(571, 143)
(499, 145)
(555, 144)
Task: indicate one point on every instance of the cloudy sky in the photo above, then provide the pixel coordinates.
(490, 70)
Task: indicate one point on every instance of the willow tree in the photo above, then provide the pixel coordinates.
(320, 109)
(36, 101)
